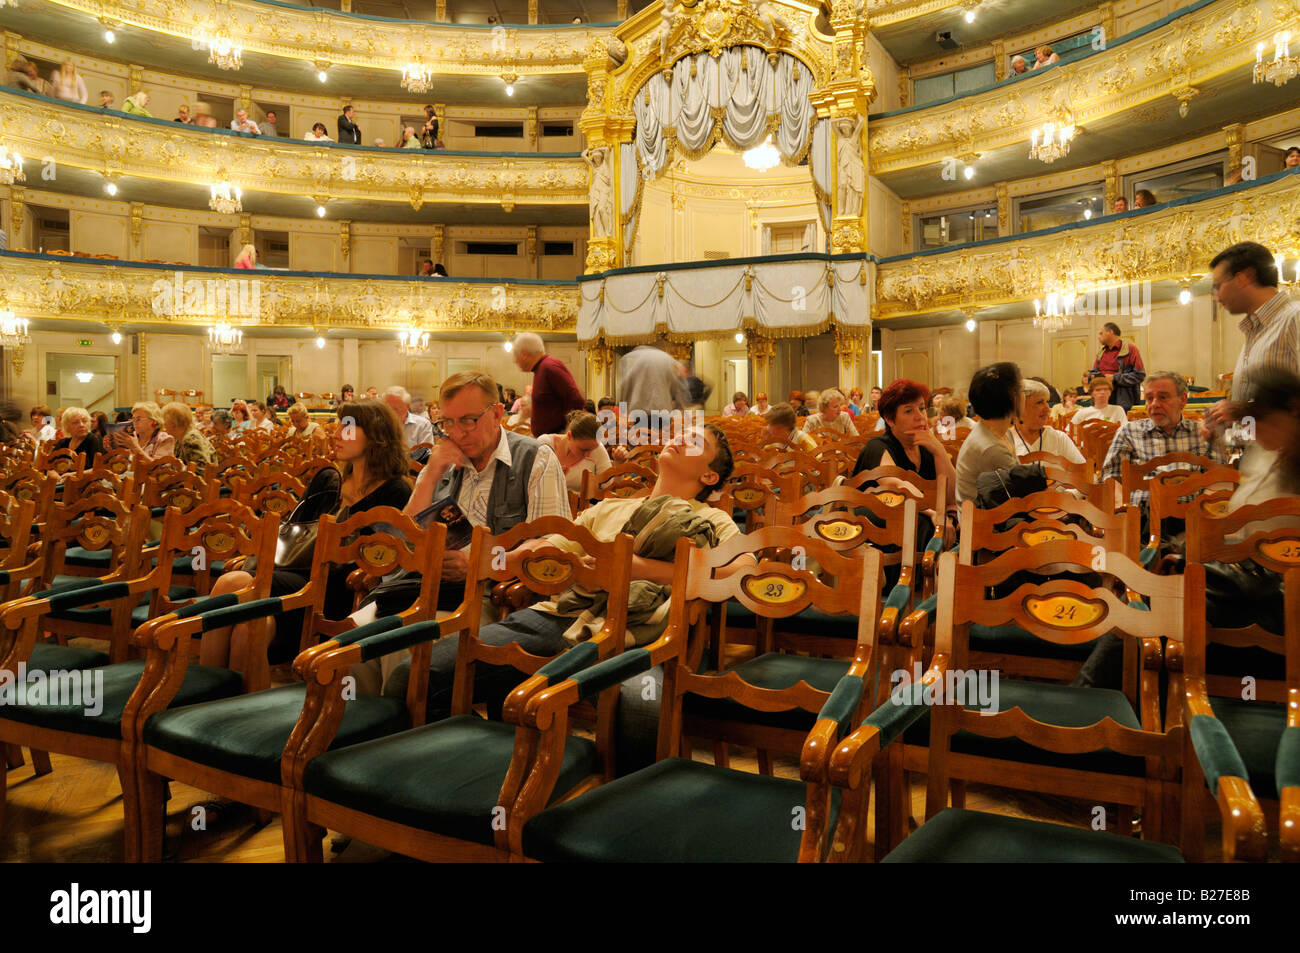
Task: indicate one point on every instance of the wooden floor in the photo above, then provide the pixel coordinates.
(75, 814)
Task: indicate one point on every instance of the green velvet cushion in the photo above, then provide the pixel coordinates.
(246, 734)
(1256, 729)
(960, 836)
(1288, 760)
(88, 558)
(773, 670)
(444, 777)
(674, 811)
(1013, 640)
(139, 615)
(202, 683)
(1215, 751)
(1051, 704)
(46, 656)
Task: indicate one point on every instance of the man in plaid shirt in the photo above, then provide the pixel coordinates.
(1165, 430)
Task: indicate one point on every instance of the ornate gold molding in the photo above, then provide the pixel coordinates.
(1169, 61)
(82, 290)
(1172, 243)
(178, 153)
(313, 34)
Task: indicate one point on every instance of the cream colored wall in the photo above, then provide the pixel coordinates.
(886, 73)
(1132, 15)
(884, 215)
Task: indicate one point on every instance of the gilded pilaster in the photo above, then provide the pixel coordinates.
(907, 227)
(530, 249)
(1110, 178)
(345, 243)
(436, 243)
(245, 230)
(134, 79)
(601, 362)
(17, 215)
(1234, 136)
(845, 100)
(440, 10)
(532, 11)
(1004, 210)
(530, 129)
(245, 97)
(12, 53)
(762, 351)
(137, 227)
(999, 60)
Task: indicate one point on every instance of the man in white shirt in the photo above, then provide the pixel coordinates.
(1102, 409)
(415, 429)
(241, 123)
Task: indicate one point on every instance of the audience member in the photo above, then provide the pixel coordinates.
(873, 401)
(796, 401)
(372, 393)
(415, 430)
(854, 405)
(577, 448)
(1121, 205)
(66, 83)
(1121, 362)
(268, 126)
(408, 139)
(1045, 56)
(345, 394)
(1292, 158)
(262, 419)
(80, 435)
(426, 269)
(1143, 198)
(996, 395)
(301, 425)
(239, 411)
(105, 99)
(739, 406)
(429, 131)
(651, 381)
(189, 446)
(439, 271)
(247, 257)
(419, 409)
(1031, 434)
(349, 131)
(241, 123)
(954, 408)
(1067, 406)
(1018, 66)
(782, 429)
(1102, 409)
(761, 406)
(279, 398)
(223, 423)
(555, 392)
(43, 426)
(150, 438)
(318, 133)
(908, 442)
(203, 116)
(137, 105)
(26, 76)
(183, 115)
(830, 415)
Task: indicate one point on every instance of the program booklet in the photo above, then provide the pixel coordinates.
(448, 512)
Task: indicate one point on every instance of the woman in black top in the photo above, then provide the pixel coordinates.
(374, 464)
(80, 439)
(279, 399)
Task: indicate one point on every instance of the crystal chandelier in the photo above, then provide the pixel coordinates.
(8, 3)
(13, 330)
(225, 198)
(417, 77)
(764, 157)
(222, 49)
(412, 341)
(224, 338)
(1053, 312)
(11, 167)
(1052, 142)
(1283, 68)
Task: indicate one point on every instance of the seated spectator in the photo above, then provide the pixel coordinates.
(150, 438)
(524, 415)
(279, 398)
(189, 445)
(1031, 434)
(873, 401)
(241, 123)
(1144, 198)
(372, 393)
(223, 422)
(854, 406)
(203, 116)
(183, 115)
(379, 143)
(492, 20)
(1068, 404)
(796, 401)
(262, 417)
(318, 133)
(1018, 66)
(739, 406)
(419, 409)
(908, 442)
(995, 394)
(345, 394)
(303, 426)
(439, 271)
(43, 427)
(81, 437)
(830, 415)
(137, 105)
(415, 430)
(408, 139)
(954, 408)
(578, 449)
(66, 83)
(782, 424)
(105, 99)
(203, 417)
(761, 406)
(1045, 56)
(27, 76)
(1102, 409)
(268, 126)
(99, 426)
(1165, 430)
(426, 268)
(247, 257)
(239, 411)
(1121, 205)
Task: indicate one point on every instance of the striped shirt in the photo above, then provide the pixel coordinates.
(547, 493)
(1272, 340)
(1141, 440)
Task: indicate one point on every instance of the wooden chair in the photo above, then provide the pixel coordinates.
(1094, 438)
(103, 734)
(1038, 728)
(1238, 685)
(682, 810)
(755, 491)
(248, 747)
(274, 493)
(459, 788)
(191, 397)
(1175, 493)
(623, 479)
(1134, 476)
(62, 462)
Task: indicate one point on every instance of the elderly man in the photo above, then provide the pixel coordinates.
(415, 429)
(241, 123)
(555, 392)
(650, 380)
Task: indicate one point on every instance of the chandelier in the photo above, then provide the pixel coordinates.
(764, 157)
(417, 77)
(222, 49)
(1052, 142)
(412, 341)
(1053, 312)
(11, 167)
(1283, 68)
(13, 330)
(225, 198)
(9, 3)
(224, 338)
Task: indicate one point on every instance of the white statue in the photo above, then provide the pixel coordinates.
(850, 174)
(769, 15)
(665, 28)
(600, 199)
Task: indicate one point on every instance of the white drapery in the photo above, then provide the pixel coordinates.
(752, 93)
(786, 298)
(629, 193)
(820, 161)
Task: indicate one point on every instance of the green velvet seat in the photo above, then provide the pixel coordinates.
(808, 622)
(202, 683)
(1060, 705)
(88, 558)
(185, 565)
(443, 777)
(675, 811)
(958, 836)
(1256, 729)
(777, 671)
(1013, 640)
(103, 615)
(246, 734)
(47, 656)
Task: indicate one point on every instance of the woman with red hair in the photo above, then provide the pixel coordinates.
(907, 442)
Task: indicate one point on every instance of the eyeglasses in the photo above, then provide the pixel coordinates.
(468, 422)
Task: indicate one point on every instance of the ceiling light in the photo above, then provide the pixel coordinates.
(13, 330)
(110, 187)
(1051, 142)
(84, 376)
(1053, 312)
(322, 76)
(224, 338)
(417, 76)
(412, 341)
(222, 48)
(509, 79)
(226, 198)
(1283, 68)
(510, 89)
(740, 337)
(509, 346)
(970, 16)
(320, 211)
(117, 337)
(11, 167)
(1185, 296)
(761, 158)
(970, 172)
(1087, 213)
(970, 324)
(320, 343)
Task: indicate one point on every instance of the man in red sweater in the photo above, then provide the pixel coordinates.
(555, 392)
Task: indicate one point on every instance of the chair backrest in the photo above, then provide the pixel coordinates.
(119, 461)
(1045, 517)
(929, 494)
(97, 521)
(771, 589)
(1094, 438)
(1175, 493)
(624, 479)
(846, 519)
(1134, 476)
(754, 489)
(275, 493)
(60, 461)
(95, 480)
(15, 533)
(812, 473)
(181, 490)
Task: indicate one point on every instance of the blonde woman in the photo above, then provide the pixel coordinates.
(149, 439)
(830, 415)
(190, 445)
(304, 426)
(247, 257)
(137, 105)
(80, 438)
(66, 83)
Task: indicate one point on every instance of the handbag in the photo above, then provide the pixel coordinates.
(296, 546)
